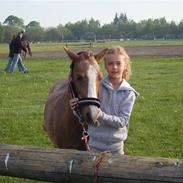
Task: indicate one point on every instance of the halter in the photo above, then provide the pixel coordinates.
(81, 102)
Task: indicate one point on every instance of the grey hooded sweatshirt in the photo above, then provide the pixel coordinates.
(116, 108)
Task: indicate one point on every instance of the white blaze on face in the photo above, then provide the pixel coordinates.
(92, 75)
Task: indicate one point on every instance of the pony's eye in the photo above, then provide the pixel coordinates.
(79, 78)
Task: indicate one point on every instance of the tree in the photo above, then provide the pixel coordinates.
(147, 29)
(52, 34)
(64, 33)
(80, 28)
(93, 25)
(173, 30)
(93, 29)
(180, 29)
(160, 28)
(123, 30)
(116, 19)
(9, 31)
(34, 33)
(180, 26)
(107, 31)
(70, 26)
(123, 18)
(1, 33)
(14, 21)
(33, 24)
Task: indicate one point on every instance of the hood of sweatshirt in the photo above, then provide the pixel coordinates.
(124, 85)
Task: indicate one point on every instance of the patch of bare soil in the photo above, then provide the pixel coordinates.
(132, 51)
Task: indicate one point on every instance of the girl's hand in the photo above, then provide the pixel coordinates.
(73, 103)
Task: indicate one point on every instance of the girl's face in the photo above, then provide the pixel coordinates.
(115, 66)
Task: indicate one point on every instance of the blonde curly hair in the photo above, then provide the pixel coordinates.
(121, 51)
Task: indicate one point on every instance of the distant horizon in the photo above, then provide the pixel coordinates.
(52, 13)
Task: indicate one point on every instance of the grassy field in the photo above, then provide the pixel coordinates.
(47, 47)
(156, 124)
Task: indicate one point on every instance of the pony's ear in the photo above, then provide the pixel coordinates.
(101, 54)
(73, 56)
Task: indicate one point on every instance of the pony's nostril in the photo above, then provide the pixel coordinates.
(88, 115)
(96, 124)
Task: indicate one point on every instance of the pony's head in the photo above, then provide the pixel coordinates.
(85, 79)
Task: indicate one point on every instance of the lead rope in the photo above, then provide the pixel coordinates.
(97, 164)
(85, 138)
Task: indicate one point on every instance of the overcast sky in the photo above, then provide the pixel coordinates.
(53, 12)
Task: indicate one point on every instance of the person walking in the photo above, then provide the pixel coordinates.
(17, 47)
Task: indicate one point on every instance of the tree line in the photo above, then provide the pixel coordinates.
(121, 28)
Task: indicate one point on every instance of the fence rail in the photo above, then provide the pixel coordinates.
(58, 165)
(89, 44)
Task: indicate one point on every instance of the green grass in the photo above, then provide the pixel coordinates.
(156, 124)
(157, 120)
(22, 101)
(140, 43)
(48, 47)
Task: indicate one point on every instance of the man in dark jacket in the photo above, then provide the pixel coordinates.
(17, 47)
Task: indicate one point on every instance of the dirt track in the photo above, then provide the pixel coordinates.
(155, 51)
(132, 51)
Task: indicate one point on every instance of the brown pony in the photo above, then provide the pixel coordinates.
(26, 45)
(63, 127)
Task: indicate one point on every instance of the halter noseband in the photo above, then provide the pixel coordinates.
(89, 101)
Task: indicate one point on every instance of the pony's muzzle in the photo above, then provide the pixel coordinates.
(89, 114)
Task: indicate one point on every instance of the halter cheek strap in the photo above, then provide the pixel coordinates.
(74, 94)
